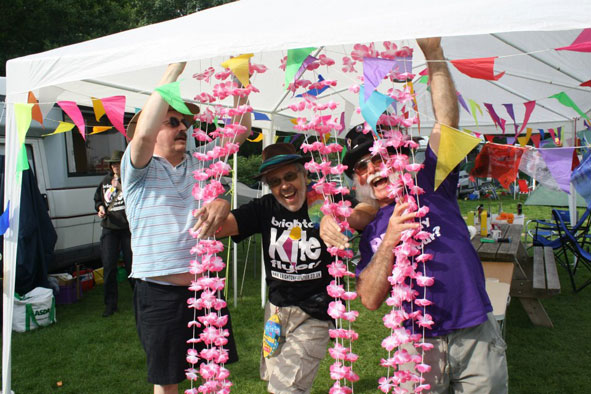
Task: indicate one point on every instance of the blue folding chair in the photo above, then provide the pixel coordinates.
(576, 241)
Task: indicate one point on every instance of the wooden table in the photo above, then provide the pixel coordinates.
(494, 254)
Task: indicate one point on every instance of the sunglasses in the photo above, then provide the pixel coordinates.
(176, 122)
(288, 177)
(361, 166)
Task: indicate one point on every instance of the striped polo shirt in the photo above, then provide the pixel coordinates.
(159, 205)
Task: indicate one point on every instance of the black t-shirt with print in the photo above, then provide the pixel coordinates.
(295, 257)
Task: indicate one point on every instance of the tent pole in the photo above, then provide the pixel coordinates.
(572, 198)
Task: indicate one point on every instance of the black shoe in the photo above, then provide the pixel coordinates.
(109, 311)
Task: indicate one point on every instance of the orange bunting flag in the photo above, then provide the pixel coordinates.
(61, 128)
(481, 68)
(100, 129)
(36, 113)
(239, 66)
(498, 161)
(99, 110)
(454, 145)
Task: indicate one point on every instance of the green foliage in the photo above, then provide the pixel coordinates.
(33, 26)
(248, 167)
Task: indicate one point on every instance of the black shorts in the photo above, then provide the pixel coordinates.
(161, 316)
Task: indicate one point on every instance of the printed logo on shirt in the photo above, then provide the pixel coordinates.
(293, 250)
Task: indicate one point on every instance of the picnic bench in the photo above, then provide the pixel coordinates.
(531, 278)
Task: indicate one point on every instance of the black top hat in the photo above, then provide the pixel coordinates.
(276, 156)
(189, 118)
(358, 145)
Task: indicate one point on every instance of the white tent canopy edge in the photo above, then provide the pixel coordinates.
(251, 26)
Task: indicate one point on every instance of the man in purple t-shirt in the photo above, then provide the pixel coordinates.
(469, 352)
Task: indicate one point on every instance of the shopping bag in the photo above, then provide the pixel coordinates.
(33, 310)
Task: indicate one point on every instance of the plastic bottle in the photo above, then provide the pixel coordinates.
(483, 224)
(470, 218)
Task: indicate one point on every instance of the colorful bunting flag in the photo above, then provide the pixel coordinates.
(5, 219)
(315, 92)
(509, 108)
(529, 108)
(524, 140)
(454, 146)
(23, 116)
(295, 58)
(565, 100)
(581, 44)
(533, 164)
(260, 116)
(586, 83)
(22, 161)
(62, 127)
(462, 102)
(481, 68)
(473, 107)
(536, 140)
(581, 179)
(100, 129)
(307, 61)
(374, 71)
(114, 107)
(36, 111)
(498, 161)
(239, 66)
(496, 119)
(72, 110)
(99, 110)
(374, 107)
(258, 138)
(171, 93)
(559, 162)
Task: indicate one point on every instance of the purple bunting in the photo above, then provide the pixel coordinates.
(463, 103)
(498, 121)
(374, 71)
(509, 108)
(559, 162)
(510, 140)
(307, 61)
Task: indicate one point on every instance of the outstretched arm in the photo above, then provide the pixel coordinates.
(373, 285)
(443, 91)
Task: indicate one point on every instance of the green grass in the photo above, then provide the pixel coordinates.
(92, 354)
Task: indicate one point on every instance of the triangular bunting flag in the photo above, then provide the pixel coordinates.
(581, 44)
(72, 110)
(374, 71)
(454, 146)
(529, 108)
(295, 58)
(171, 93)
(462, 102)
(481, 68)
(536, 139)
(496, 119)
(559, 161)
(99, 110)
(23, 116)
(372, 109)
(581, 179)
(473, 107)
(533, 164)
(509, 108)
(36, 111)
(498, 161)
(307, 61)
(22, 162)
(61, 128)
(239, 67)
(5, 219)
(565, 100)
(524, 140)
(115, 109)
(258, 138)
(100, 129)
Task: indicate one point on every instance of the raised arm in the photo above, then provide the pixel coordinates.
(372, 284)
(148, 125)
(443, 91)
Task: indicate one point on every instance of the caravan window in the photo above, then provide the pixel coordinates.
(86, 158)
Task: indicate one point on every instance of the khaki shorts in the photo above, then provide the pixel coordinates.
(293, 366)
(470, 360)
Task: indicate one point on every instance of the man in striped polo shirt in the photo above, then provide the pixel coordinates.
(157, 178)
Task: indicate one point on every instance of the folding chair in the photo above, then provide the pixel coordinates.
(574, 240)
(523, 187)
(545, 232)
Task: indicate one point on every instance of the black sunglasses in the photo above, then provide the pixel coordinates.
(276, 181)
(176, 122)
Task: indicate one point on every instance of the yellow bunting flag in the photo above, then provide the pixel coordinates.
(61, 128)
(258, 138)
(454, 145)
(23, 115)
(473, 106)
(294, 121)
(239, 67)
(100, 129)
(276, 138)
(99, 110)
(36, 111)
(524, 140)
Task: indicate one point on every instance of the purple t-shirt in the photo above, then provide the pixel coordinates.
(459, 293)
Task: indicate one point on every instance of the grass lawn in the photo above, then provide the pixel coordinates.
(91, 354)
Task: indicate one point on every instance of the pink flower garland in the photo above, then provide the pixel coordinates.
(207, 265)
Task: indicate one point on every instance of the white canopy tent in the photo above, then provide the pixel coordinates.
(131, 63)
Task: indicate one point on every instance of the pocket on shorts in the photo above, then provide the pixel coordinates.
(497, 342)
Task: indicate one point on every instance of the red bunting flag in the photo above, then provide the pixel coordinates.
(498, 161)
(587, 83)
(489, 137)
(536, 139)
(576, 161)
(482, 68)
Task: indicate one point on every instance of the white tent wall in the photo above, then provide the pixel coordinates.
(131, 63)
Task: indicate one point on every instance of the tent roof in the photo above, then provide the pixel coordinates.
(131, 62)
(545, 196)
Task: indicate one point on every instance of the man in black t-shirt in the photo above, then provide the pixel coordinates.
(295, 264)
